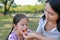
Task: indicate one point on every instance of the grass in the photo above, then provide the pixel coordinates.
(6, 24)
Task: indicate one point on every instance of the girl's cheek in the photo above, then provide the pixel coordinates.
(20, 31)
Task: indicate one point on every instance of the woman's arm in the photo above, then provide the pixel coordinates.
(37, 37)
(41, 37)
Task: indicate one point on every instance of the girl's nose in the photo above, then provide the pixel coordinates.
(25, 27)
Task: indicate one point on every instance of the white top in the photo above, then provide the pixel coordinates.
(51, 34)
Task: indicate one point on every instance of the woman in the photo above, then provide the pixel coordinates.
(49, 24)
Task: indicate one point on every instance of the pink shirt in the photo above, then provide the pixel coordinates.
(13, 36)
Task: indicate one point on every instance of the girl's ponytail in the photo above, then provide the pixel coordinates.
(10, 33)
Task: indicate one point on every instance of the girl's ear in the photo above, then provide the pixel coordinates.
(15, 26)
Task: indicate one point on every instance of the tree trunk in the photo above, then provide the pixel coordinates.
(5, 11)
(5, 8)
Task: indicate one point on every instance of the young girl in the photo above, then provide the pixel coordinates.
(20, 25)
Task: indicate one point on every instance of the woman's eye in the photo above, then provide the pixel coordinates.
(51, 14)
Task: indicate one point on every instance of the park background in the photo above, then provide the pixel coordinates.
(9, 8)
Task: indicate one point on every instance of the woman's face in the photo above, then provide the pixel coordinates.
(50, 14)
(22, 25)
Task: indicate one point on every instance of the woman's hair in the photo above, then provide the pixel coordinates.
(16, 19)
(55, 5)
(47, 1)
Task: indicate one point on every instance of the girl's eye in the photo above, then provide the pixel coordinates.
(22, 25)
(26, 24)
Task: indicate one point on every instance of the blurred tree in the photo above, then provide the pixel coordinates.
(14, 5)
(6, 2)
(39, 0)
(43, 1)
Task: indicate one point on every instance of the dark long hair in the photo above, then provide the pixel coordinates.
(47, 1)
(16, 19)
(55, 5)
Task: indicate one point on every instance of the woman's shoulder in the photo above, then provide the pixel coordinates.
(42, 19)
(42, 15)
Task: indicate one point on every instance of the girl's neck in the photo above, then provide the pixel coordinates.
(20, 36)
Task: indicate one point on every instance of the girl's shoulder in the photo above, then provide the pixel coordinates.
(29, 30)
(12, 36)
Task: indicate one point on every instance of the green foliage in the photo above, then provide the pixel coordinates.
(26, 9)
(1, 9)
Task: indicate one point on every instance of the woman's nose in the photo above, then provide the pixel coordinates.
(47, 15)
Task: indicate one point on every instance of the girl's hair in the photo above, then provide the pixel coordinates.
(55, 5)
(16, 19)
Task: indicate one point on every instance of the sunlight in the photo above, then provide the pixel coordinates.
(25, 2)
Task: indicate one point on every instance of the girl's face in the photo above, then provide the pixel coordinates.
(50, 14)
(22, 25)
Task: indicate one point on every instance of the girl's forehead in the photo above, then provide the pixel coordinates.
(23, 20)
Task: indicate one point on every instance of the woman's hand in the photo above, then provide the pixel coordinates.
(30, 36)
(35, 36)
